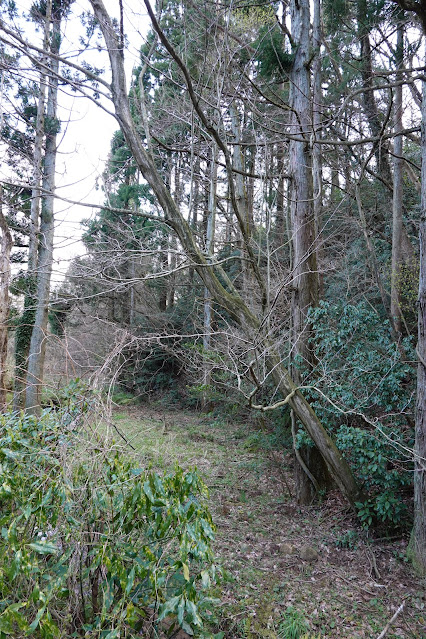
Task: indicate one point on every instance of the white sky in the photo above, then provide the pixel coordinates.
(86, 133)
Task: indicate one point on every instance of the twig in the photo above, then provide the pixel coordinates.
(372, 561)
(391, 621)
(111, 423)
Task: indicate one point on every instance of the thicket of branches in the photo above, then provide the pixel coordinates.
(258, 240)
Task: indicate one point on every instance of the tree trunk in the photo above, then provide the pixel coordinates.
(242, 201)
(397, 190)
(45, 254)
(229, 299)
(304, 227)
(418, 541)
(317, 101)
(26, 323)
(305, 275)
(5, 250)
(375, 122)
(369, 101)
(210, 238)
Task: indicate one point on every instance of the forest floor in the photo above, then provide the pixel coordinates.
(287, 567)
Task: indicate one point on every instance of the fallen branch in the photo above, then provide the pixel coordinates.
(391, 621)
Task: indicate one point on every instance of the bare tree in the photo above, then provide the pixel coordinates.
(228, 299)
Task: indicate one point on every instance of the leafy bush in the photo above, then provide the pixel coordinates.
(90, 544)
(360, 367)
(376, 465)
(363, 392)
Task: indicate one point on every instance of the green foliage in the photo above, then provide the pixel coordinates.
(363, 393)
(334, 12)
(407, 281)
(360, 366)
(122, 398)
(378, 467)
(59, 310)
(293, 625)
(349, 540)
(90, 544)
(73, 400)
(274, 61)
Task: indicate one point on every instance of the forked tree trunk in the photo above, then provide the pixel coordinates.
(230, 299)
(5, 250)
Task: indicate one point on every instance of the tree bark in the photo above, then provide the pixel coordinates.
(45, 253)
(397, 191)
(229, 299)
(25, 326)
(317, 100)
(210, 238)
(418, 540)
(305, 272)
(369, 102)
(6, 243)
(303, 210)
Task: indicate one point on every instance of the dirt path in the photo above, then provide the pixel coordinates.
(289, 570)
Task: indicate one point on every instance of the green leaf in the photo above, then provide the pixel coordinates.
(36, 621)
(168, 607)
(181, 610)
(185, 571)
(205, 578)
(148, 492)
(44, 548)
(187, 628)
(130, 580)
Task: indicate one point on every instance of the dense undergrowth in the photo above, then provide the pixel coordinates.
(362, 389)
(274, 586)
(91, 544)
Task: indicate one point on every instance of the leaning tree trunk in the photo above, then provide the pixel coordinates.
(230, 299)
(5, 250)
(45, 253)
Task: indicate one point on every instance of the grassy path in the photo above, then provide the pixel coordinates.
(289, 569)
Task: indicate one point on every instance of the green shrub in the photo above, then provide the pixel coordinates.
(92, 545)
(376, 465)
(363, 393)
